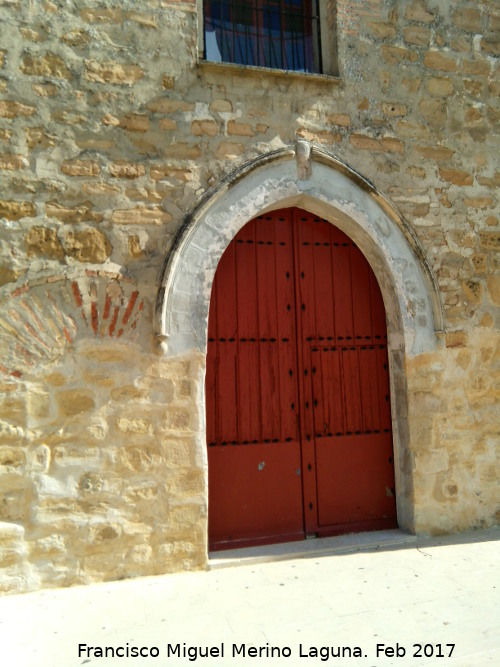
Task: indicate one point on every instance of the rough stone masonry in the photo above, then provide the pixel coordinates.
(113, 131)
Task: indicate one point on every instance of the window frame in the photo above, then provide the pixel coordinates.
(327, 41)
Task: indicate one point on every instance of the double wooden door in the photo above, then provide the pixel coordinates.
(297, 387)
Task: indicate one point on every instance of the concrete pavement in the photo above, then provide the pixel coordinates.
(373, 600)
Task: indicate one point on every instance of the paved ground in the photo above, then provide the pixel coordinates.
(397, 594)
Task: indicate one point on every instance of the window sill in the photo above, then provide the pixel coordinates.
(253, 71)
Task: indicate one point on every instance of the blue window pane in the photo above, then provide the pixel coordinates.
(282, 34)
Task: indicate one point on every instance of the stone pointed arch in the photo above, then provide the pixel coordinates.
(330, 189)
(309, 178)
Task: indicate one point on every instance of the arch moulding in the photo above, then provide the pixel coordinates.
(306, 177)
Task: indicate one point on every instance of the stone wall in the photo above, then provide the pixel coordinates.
(111, 133)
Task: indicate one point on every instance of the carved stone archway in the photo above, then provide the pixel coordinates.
(308, 178)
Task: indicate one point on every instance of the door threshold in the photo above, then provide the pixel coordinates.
(310, 548)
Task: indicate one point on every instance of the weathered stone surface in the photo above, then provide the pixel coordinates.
(493, 283)
(468, 19)
(456, 176)
(44, 241)
(166, 105)
(440, 86)
(141, 216)
(164, 172)
(77, 38)
(12, 552)
(11, 458)
(472, 290)
(125, 169)
(182, 151)
(221, 105)
(48, 65)
(112, 72)
(325, 137)
(15, 210)
(394, 110)
(135, 122)
(74, 402)
(413, 130)
(13, 410)
(45, 89)
(37, 137)
(396, 54)
(80, 168)
(240, 129)
(13, 109)
(418, 11)
(12, 161)
(381, 29)
(99, 189)
(167, 124)
(229, 149)
(134, 247)
(456, 339)
(341, 119)
(386, 144)
(479, 202)
(417, 35)
(102, 15)
(90, 245)
(205, 127)
(79, 213)
(476, 67)
(491, 45)
(437, 153)
(489, 240)
(7, 275)
(433, 111)
(436, 60)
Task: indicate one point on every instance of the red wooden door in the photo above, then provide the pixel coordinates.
(298, 413)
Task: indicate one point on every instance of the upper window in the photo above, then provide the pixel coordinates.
(280, 34)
